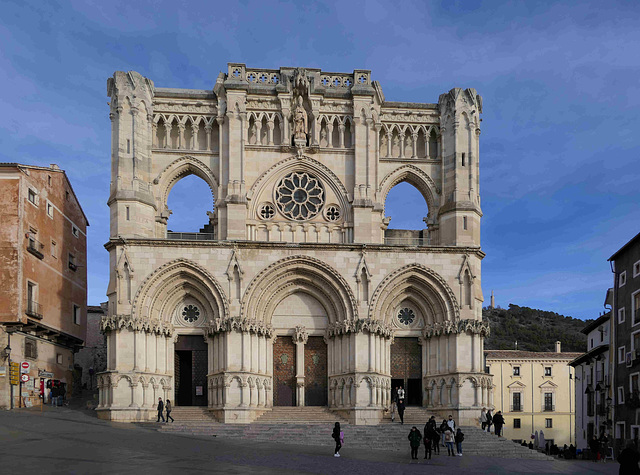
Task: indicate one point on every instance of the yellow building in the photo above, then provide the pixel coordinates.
(535, 392)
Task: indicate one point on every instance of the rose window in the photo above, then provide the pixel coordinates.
(406, 316)
(267, 211)
(299, 196)
(332, 213)
(190, 313)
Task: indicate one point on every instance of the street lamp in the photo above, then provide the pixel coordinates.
(6, 352)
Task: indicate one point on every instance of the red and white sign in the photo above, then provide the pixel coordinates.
(24, 378)
(25, 366)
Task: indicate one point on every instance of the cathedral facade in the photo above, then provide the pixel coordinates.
(295, 292)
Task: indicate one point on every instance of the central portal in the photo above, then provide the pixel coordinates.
(406, 368)
(190, 371)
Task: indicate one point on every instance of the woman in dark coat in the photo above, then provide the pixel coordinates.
(337, 436)
(628, 460)
(414, 440)
(431, 431)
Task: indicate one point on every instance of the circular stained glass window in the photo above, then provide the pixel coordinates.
(190, 313)
(406, 316)
(299, 196)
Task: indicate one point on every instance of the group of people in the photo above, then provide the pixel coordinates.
(487, 420)
(164, 407)
(446, 434)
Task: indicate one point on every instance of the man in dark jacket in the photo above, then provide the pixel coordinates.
(401, 410)
(160, 409)
(628, 460)
(414, 441)
(431, 431)
(498, 422)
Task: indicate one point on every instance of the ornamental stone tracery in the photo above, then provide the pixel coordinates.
(299, 196)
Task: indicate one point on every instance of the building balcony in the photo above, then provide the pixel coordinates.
(35, 247)
(548, 408)
(190, 236)
(34, 309)
(516, 408)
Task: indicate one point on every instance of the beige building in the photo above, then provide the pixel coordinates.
(43, 279)
(295, 293)
(535, 392)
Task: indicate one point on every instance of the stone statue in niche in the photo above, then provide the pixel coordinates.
(253, 134)
(300, 121)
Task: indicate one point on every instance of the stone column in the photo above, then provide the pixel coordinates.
(194, 136)
(341, 131)
(414, 152)
(389, 137)
(270, 132)
(207, 130)
(167, 135)
(181, 143)
(300, 338)
(330, 134)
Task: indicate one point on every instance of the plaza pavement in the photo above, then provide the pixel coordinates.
(64, 440)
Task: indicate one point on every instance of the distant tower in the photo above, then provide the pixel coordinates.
(493, 300)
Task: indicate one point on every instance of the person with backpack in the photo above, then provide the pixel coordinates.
(449, 438)
(414, 441)
(338, 436)
(459, 437)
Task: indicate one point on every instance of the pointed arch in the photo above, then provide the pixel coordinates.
(418, 283)
(178, 169)
(414, 176)
(298, 274)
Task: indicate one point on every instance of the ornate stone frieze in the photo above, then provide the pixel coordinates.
(356, 326)
(262, 105)
(221, 325)
(182, 108)
(119, 322)
(476, 327)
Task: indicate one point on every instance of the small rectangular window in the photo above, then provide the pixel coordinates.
(463, 160)
(635, 308)
(636, 269)
(49, 210)
(620, 395)
(30, 348)
(464, 222)
(547, 370)
(516, 423)
(67, 195)
(127, 208)
(516, 370)
(76, 315)
(54, 249)
(548, 423)
(623, 279)
(128, 146)
(32, 196)
(619, 430)
(72, 262)
(75, 231)
(59, 358)
(49, 179)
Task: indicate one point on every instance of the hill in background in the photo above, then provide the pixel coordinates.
(534, 330)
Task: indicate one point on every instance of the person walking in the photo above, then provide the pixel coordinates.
(401, 409)
(489, 420)
(459, 437)
(498, 421)
(338, 436)
(483, 418)
(594, 447)
(394, 403)
(401, 393)
(604, 447)
(428, 442)
(168, 409)
(628, 460)
(452, 424)
(448, 440)
(160, 409)
(414, 441)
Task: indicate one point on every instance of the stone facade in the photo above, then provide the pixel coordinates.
(92, 358)
(43, 295)
(535, 392)
(296, 275)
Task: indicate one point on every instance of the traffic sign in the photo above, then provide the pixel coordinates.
(14, 373)
(25, 366)
(24, 378)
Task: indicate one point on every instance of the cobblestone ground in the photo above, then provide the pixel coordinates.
(63, 440)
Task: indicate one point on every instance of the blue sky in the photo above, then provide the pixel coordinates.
(560, 139)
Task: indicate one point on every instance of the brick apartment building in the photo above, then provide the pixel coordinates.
(43, 280)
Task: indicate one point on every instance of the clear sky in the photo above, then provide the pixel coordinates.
(560, 143)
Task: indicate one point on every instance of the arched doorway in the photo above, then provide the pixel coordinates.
(191, 371)
(406, 368)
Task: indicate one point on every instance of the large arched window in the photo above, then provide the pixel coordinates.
(189, 201)
(407, 209)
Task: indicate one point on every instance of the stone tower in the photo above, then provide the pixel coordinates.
(295, 292)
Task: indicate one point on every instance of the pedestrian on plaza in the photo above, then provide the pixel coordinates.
(449, 438)
(452, 424)
(443, 429)
(498, 422)
(401, 393)
(394, 403)
(168, 409)
(414, 441)
(338, 436)
(628, 460)
(483, 418)
(489, 420)
(401, 410)
(594, 447)
(604, 447)
(428, 442)
(459, 437)
(160, 409)
(431, 431)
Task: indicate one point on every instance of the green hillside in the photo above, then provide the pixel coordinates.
(534, 330)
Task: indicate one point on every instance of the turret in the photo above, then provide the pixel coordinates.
(133, 209)
(460, 211)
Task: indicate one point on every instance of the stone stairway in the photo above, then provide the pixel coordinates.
(387, 436)
(299, 415)
(192, 413)
(413, 415)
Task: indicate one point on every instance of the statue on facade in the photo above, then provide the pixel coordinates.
(300, 121)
